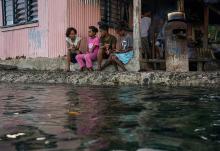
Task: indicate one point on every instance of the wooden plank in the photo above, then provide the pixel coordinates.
(200, 60)
(181, 5)
(190, 60)
(200, 66)
(136, 33)
(154, 61)
(214, 9)
(206, 26)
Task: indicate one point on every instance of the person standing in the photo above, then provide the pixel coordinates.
(160, 41)
(145, 26)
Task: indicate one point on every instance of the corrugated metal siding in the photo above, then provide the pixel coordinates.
(1, 36)
(81, 15)
(84, 13)
(15, 43)
(57, 26)
(48, 40)
(38, 37)
(31, 42)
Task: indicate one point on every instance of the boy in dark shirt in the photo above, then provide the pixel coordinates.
(107, 45)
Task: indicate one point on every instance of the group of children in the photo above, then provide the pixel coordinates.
(99, 48)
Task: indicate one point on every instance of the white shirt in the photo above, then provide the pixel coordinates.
(145, 25)
(71, 42)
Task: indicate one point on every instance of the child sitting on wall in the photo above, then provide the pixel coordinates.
(85, 60)
(122, 56)
(73, 45)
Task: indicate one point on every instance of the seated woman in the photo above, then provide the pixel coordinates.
(73, 45)
(85, 60)
(125, 53)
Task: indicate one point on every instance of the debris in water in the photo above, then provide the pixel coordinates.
(47, 142)
(199, 129)
(40, 139)
(204, 138)
(16, 113)
(13, 136)
(216, 124)
(148, 149)
(73, 113)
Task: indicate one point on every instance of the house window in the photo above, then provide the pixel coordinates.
(18, 12)
(113, 11)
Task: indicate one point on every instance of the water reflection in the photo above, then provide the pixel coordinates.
(180, 121)
(106, 122)
(108, 118)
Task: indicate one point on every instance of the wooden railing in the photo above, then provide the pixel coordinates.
(201, 56)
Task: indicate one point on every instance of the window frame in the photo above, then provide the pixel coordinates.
(4, 22)
(108, 12)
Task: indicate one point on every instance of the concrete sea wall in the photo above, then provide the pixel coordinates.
(46, 71)
(53, 64)
(195, 79)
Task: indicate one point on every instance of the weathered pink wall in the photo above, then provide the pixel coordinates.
(57, 24)
(47, 39)
(38, 37)
(31, 42)
(1, 51)
(1, 38)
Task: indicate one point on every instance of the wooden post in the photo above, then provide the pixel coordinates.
(206, 26)
(181, 6)
(176, 48)
(136, 34)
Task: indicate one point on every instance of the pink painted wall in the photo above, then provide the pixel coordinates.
(1, 37)
(47, 38)
(31, 42)
(57, 24)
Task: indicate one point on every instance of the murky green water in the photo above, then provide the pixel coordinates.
(35, 118)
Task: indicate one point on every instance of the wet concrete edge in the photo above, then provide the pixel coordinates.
(192, 79)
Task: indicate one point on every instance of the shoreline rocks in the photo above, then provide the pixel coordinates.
(192, 79)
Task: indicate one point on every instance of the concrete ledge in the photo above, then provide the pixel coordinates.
(53, 64)
(8, 67)
(45, 70)
(188, 79)
(195, 79)
(38, 63)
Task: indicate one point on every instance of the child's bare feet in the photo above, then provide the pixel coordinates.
(99, 68)
(90, 69)
(67, 70)
(124, 70)
(82, 69)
